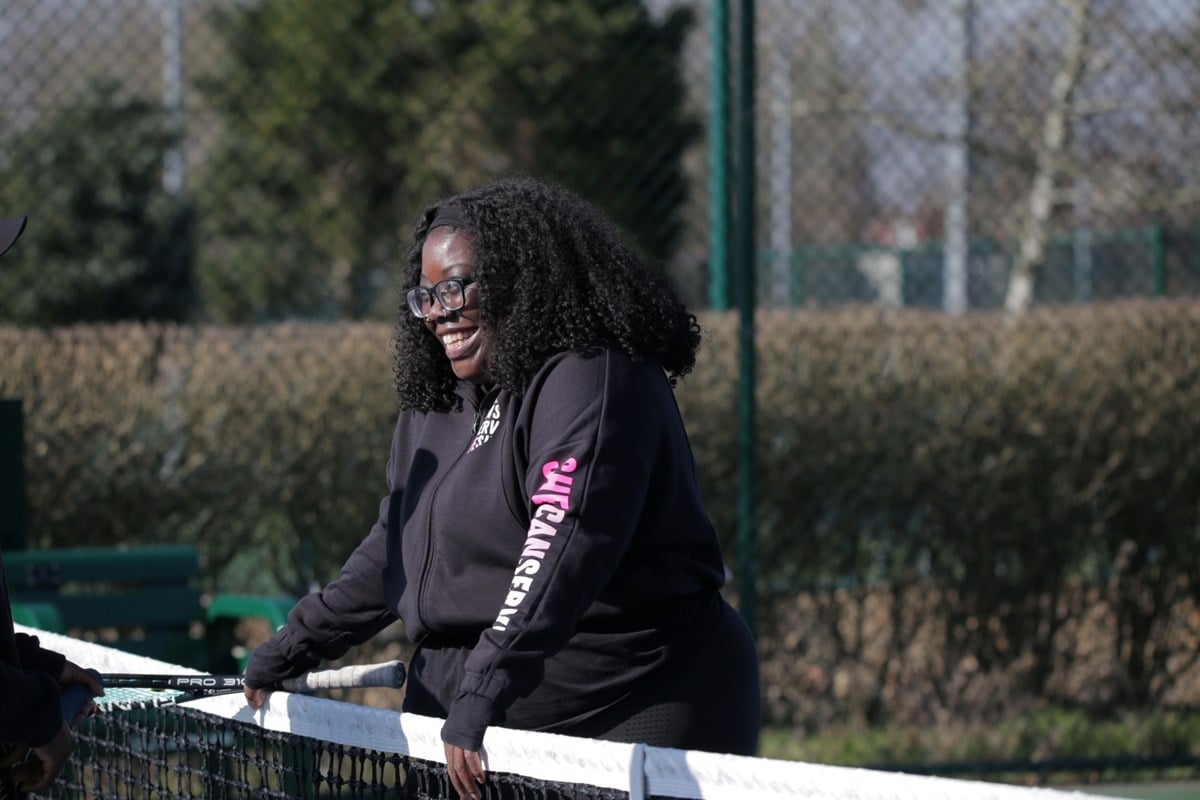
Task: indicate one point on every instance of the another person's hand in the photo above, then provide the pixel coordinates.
(46, 762)
(73, 673)
(465, 768)
(255, 697)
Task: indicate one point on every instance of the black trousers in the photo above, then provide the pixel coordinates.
(707, 698)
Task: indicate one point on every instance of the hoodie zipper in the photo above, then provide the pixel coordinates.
(430, 539)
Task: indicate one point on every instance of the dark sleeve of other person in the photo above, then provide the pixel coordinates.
(30, 709)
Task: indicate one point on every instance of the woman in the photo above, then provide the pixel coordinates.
(543, 539)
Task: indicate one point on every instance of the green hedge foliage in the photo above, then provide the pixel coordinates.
(995, 463)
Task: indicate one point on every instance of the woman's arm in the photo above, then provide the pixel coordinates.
(347, 611)
(594, 436)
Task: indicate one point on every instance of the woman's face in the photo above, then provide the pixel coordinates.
(447, 254)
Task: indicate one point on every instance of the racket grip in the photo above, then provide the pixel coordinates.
(74, 698)
(389, 674)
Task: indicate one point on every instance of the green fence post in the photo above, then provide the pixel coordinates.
(796, 278)
(12, 474)
(747, 290)
(1158, 267)
(718, 156)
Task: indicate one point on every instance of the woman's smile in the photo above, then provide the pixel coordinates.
(447, 254)
(458, 343)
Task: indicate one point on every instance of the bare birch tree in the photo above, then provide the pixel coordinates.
(1051, 157)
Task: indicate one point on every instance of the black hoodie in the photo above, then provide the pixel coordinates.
(545, 550)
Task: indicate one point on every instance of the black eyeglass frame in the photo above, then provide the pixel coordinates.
(416, 296)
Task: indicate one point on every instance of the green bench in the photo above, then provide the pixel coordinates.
(145, 600)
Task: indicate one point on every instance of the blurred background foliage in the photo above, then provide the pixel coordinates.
(134, 258)
(342, 123)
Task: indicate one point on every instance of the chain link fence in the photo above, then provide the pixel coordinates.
(938, 154)
(236, 161)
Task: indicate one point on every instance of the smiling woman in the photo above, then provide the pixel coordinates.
(542, 536)
(450, 312)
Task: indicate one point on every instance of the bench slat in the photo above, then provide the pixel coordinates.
(176, 606)
(148, 598)
(166, 564)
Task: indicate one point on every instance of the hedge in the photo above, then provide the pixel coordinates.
(987, 470)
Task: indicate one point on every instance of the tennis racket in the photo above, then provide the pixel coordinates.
(389, 674)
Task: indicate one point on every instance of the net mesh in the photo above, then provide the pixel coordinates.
(167, 744)
(179, 751)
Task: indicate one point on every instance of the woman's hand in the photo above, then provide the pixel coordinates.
(255, 697)
(465, 769)
(72, 673)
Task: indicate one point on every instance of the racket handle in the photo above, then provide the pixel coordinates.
(74, 698)
(389, 674)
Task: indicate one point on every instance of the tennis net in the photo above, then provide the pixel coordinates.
(164, 744)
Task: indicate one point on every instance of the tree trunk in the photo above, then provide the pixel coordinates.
(1056, 135)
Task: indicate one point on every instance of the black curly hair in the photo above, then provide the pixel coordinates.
(554, 275)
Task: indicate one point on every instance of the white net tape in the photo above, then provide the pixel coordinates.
(642, 771)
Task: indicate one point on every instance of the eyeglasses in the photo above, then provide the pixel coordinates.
(451, 293)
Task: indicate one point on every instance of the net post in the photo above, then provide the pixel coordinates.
(637, 772)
